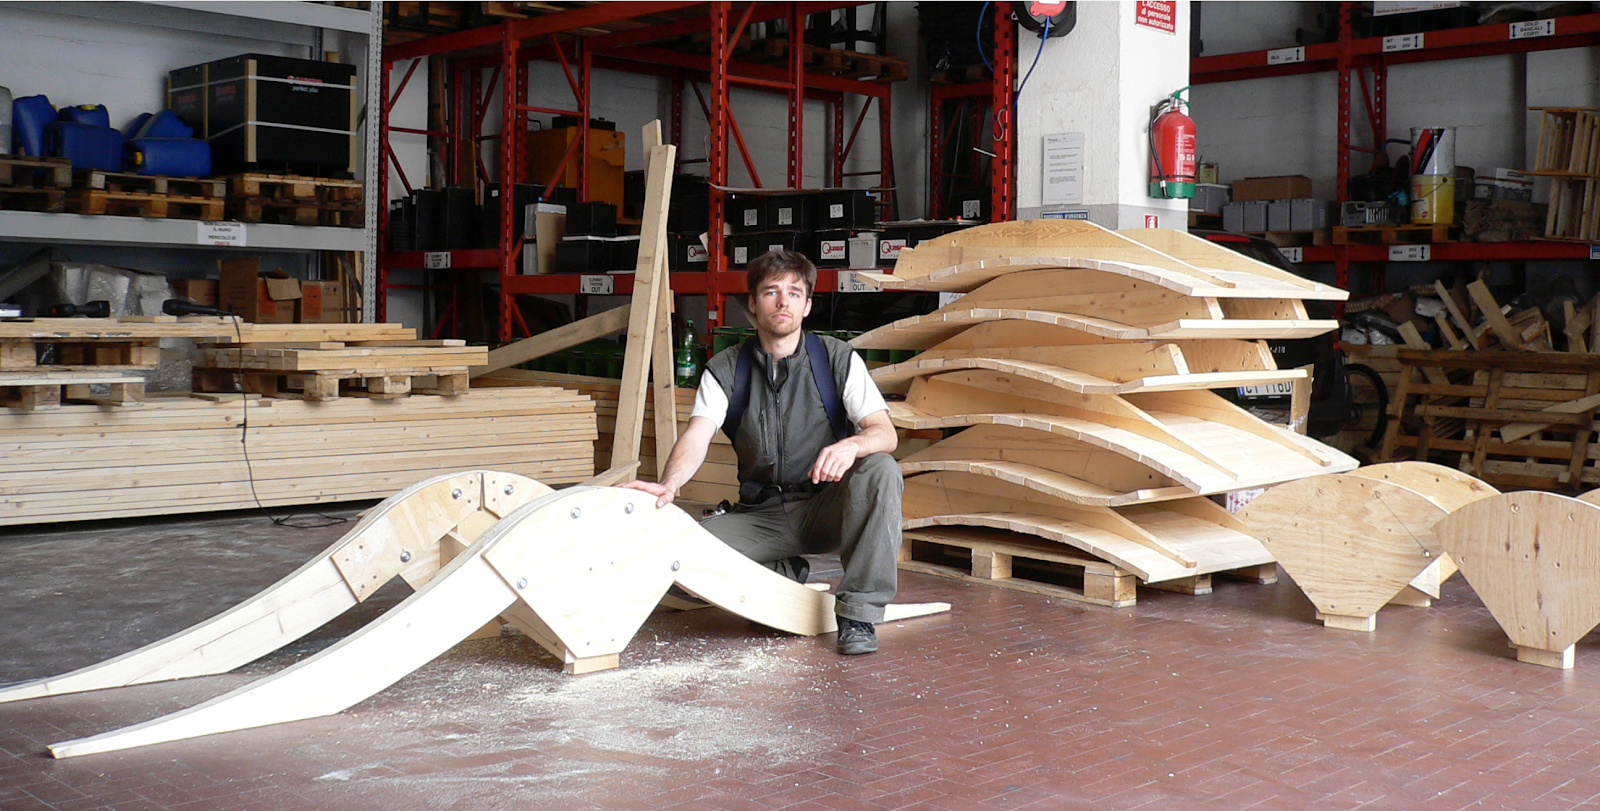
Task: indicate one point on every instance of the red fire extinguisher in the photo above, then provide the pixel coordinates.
(1172, 158)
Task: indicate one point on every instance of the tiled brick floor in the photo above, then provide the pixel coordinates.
(1232, 700)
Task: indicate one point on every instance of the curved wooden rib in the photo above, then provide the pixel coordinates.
(1210, 407)
(924, 331)
(1230, 265)
(898, 376)
(957, 493)
(1355, 541)
(1070, 489)
(588, 563)
(1098, 469)
(1532, 559)
(400, 536)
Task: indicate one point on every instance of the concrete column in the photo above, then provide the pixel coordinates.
(1100, 81)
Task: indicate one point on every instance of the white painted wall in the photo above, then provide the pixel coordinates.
(1100, 80)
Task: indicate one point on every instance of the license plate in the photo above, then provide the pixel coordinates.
(1282, 389)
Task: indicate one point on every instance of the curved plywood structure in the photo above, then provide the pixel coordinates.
(408, 535)
(1533, 560)
(579, 569)
(897, 377)
(923, 331)
(1156, 542)
(1354, 542)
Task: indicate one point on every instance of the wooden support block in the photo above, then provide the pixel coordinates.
(592, 664)
(1197, 585)
(452, 385)
(1561, 659)
(40, 398)
(990, 565)
(319, 387)
(1264, 575)
(1113, 587)
(388, 387)
(17, 354)
(1366, 624)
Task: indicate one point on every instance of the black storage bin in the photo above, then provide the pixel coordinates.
(844, 208)
(624, 253)
(270, 113)
(744, 247)
(592, 219)
(791, 212)
(833, 248)
(689, 210)
(460, 217)
(633, 191)
(489, 213)
(428, 221)
(402, 225)
(970, 204)
(583, 256)
(745, 213)
(562, 122)
(687, 253)
(558, 195)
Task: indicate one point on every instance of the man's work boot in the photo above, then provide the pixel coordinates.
(856, 638)
(796, 568)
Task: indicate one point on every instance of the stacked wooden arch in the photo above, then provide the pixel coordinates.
(1079, 361)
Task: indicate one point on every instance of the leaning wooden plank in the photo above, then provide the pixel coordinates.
(646, 305)
(555, 340)
(663, 369)
(1491, 312)
(1530, 558)
(1511, 432)
(1454, 307)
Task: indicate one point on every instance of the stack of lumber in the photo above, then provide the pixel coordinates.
(1079, 362)
(88, 353)
(315, 359)
(1499, 402)
(716, 480)
(180, 455)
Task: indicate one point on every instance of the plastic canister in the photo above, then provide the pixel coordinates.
(1433, 199)
(30, 115)
(92, 114)
(5, 120)
(180, 157)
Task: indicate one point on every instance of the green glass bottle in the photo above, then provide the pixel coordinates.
(688, 369)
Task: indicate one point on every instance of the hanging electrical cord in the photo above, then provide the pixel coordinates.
(1016, 97)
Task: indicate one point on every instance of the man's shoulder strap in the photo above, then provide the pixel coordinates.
(821, 375)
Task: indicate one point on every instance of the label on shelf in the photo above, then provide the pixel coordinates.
(595, 285)
(1594, 251)
(1533, 28)
(1410, 253)
(947, 297)
(1403, 42)
(436, 260)
(971, 209)
(221, 234)
(1286, 56)
(850, 282)
(889, 249)
(1294, 255)
(836, 211)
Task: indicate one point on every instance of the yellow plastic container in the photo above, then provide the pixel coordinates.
(1433, 199)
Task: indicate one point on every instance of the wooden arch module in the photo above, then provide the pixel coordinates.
(577, 570)
(1080, 362)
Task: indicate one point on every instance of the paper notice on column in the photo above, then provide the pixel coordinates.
(1062, 178)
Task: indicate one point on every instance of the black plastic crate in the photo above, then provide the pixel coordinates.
(689, 210)
(687, 253)
(742, 248)
(844, 208)
(746, 213)
(592, 219)
(790, 212)
(584, 256)
(833, 248)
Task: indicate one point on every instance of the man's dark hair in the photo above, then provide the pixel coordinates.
(779, 262)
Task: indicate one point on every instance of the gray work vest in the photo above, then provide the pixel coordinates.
(785, 425)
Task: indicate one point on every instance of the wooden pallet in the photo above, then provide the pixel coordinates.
(1396, 235)
(830, 61)
(349, 214)
(45, 389)
(98, 180)
(155, 206)
(294, 187)
(99, 354)
(331, 384)
(1013, 562)
(23, 199)
(25, 172)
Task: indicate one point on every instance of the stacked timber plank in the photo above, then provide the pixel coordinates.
(180, 455)
(83, 354)
(716, 480)
(1078, 363)
(316, 359)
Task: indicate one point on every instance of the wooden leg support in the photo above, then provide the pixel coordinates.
(1113, 587)
(1561, 659)
(388, 388)
(40, 398)
(1265, 575)
(1345, 622)
(592, 664)
(991, 565)
(1199, 584)
(1412, 596)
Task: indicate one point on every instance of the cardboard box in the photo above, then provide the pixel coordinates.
(1510, 184)
(1281, 187)
(320, 302)
(243, 291)
(197, 291)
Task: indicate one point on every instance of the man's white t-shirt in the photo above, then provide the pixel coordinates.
(861, 396)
